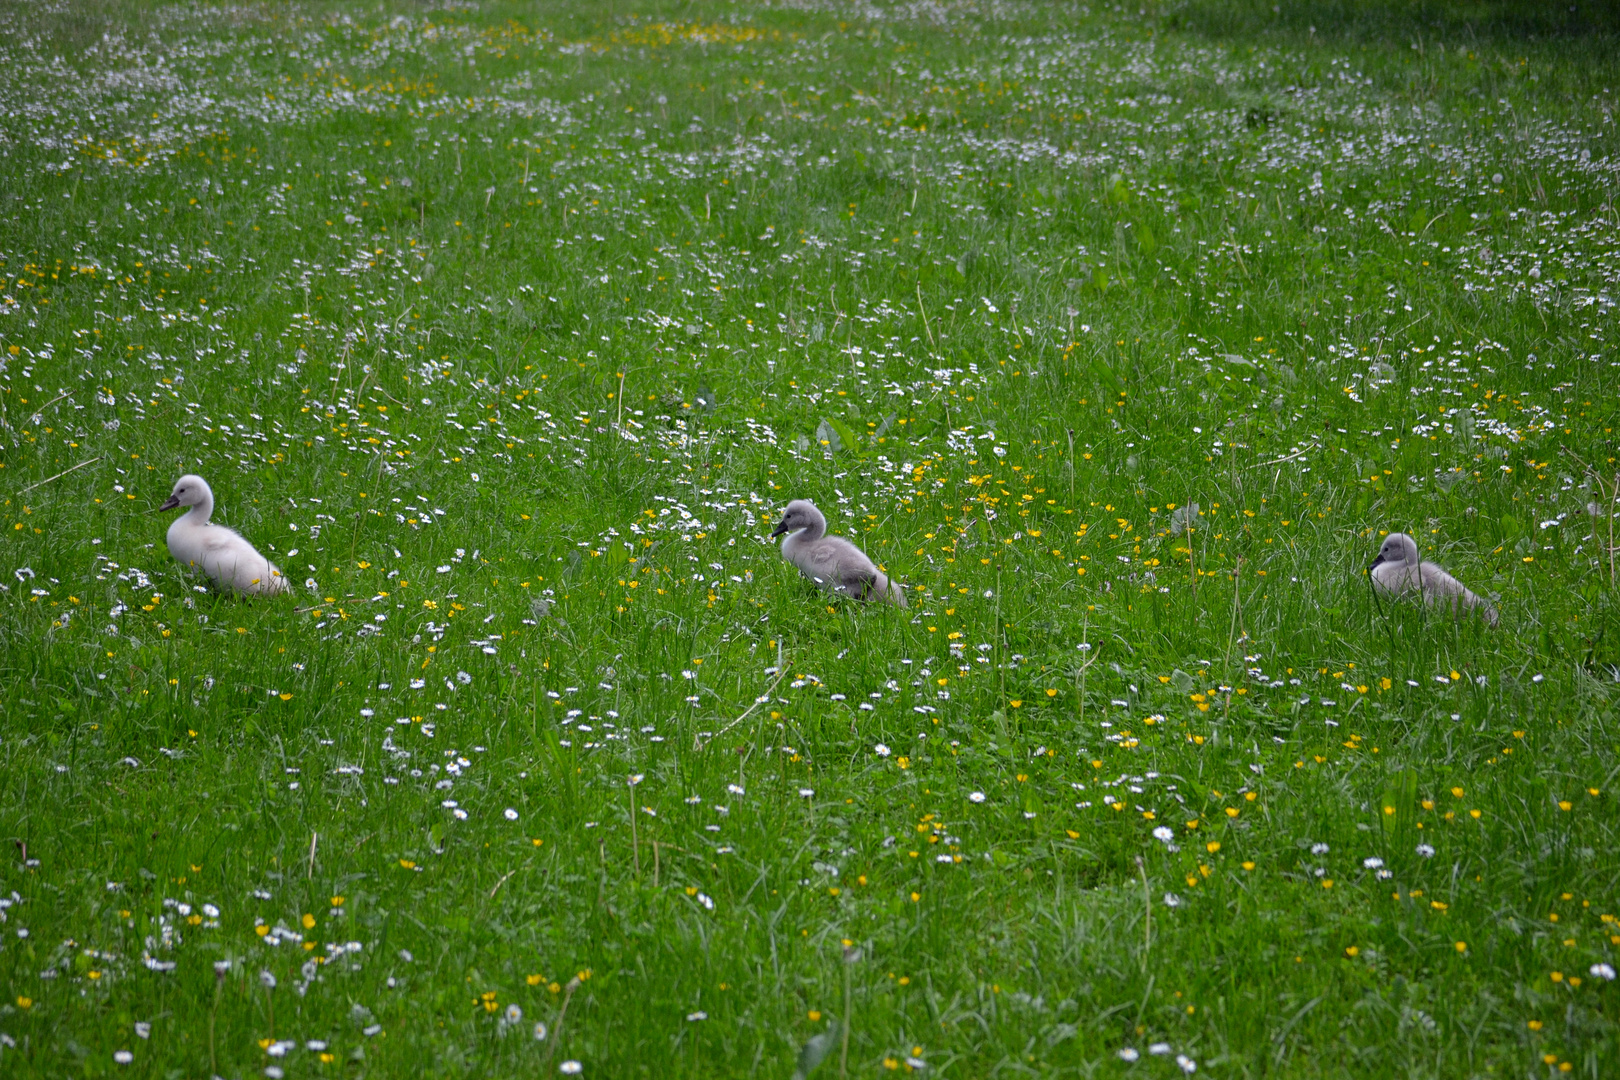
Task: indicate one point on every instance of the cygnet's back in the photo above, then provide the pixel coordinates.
(831, 561)
(1399, 570)
(220, 552)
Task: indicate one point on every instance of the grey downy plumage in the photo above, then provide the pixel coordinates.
(831, 561)
(1399, 570)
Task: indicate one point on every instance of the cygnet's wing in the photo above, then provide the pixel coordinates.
(859, 576)
(1440, 587)
(822, 555)
(202, 546)
(853, 567)
(836, 564)
(1438, 583)
(232, 561)
(212, 537)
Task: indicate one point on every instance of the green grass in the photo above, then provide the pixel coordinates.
(511, 329)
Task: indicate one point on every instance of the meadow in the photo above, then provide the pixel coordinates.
(1117, 334)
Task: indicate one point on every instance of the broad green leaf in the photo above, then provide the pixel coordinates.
(1145, 238)
(1104, 373)
(846, 434)
(1397, 805)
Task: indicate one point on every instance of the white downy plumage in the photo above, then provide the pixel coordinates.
(831, 561)
(1399, 570)
(216, 550)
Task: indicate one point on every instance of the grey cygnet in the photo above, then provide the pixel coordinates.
(831, 561)
(1399, 570)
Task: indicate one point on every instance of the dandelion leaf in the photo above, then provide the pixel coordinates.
(827, 436)
(846, 435)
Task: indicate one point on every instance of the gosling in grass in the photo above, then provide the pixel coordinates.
(217, 551)
(1399, 570)
(831, 561)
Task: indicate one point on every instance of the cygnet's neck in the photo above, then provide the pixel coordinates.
(200, 511)
(815, 530)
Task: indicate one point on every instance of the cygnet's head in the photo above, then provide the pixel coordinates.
(189, 490)
(1398, 549)
(800, 514)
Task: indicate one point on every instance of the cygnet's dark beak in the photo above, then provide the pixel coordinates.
(170, 503)
(780, 529)
(1376, 563)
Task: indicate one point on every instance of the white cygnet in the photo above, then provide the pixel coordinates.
(831, 561)
(1399, 570)
(217, 551)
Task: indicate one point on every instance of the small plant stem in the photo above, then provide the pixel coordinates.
(354, 537)
(924, 313)
(635, 842)
(843, 1053)
(1231, 632)
(1192, 561)
(1071, 465)
(1085, 665)
(1001, 652)
(1237, 606)
(219, 988)
(1147, 913)
(557, 1030)
(58, 476)
(1614, 493)
(781, 671)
